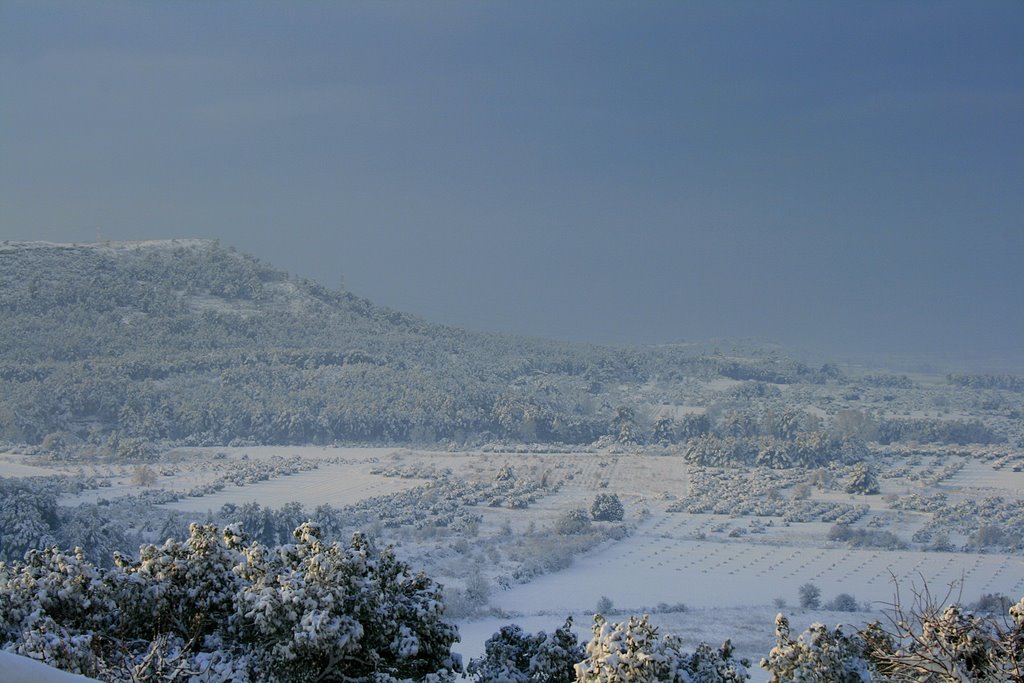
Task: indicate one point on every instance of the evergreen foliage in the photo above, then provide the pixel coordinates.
(221, 608)
(573, 522)
(633, 651)
(818, 655)
(607, 508)
(119, 345)
(923, 642)
(862, 480)
(514, 656)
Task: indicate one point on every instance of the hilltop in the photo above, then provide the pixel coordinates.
(185, 340)
(120, 344)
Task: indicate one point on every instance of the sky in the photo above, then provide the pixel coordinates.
(840, 176)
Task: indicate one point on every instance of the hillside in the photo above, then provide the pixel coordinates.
(119, 345)
(186, 341)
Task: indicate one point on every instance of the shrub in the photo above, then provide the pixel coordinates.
(478, 589)
(988, 535)
(573, 522)
(607, 508)
(143, 475)
(992, 603)
(927, 642)
(810, 596)
(865, 538)
(844, 602)
(231, 610)
(512, 656)
(862, 480)
(633, 651)
(817, 656)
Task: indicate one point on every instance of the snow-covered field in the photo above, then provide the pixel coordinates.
(330, 484)
(733, 572)
(658, 564)
(12, 466)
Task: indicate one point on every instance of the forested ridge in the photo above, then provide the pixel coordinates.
(119, 346)
(191, 342)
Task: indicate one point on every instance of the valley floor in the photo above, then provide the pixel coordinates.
(704, 576)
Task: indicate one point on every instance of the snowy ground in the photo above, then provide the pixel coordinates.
(17, 669)
(12, 465)
(730, 571)
(659, 564)
(330, 484)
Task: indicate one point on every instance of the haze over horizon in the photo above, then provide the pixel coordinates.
(842, 178)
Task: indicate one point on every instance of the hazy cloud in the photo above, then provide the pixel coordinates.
(843, 176)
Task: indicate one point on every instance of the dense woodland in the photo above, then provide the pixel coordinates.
(200, 344)
(118, 347)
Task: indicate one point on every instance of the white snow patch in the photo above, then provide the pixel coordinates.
(17, 669)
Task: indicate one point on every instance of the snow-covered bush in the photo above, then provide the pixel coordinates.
(469, 601)
(320, 610)
(607, 508)
(513, 656)
(633, 652)
(862, 480)
(50, 607)
(818, 655)
(573, 522)
(928, 643)
(810, 596)
(868, 538)
(992, 603)
(844, 602)
(219, 608)
(27, 517)
(921, 642)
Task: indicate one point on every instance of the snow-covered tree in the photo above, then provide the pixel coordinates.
(810, 596)
(218, 608)
(514, 656)
(624, 427)
(664, 430)
(27, 519)
(862, 480)
(573, 522)
(52, 606)
(607, 508)
(844, 602)
(325, 611)
(818, 655)
(926, 642)
(87, 526)
(634, 652)
(773, 452)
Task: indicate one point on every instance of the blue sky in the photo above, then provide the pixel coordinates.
(832, 176)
